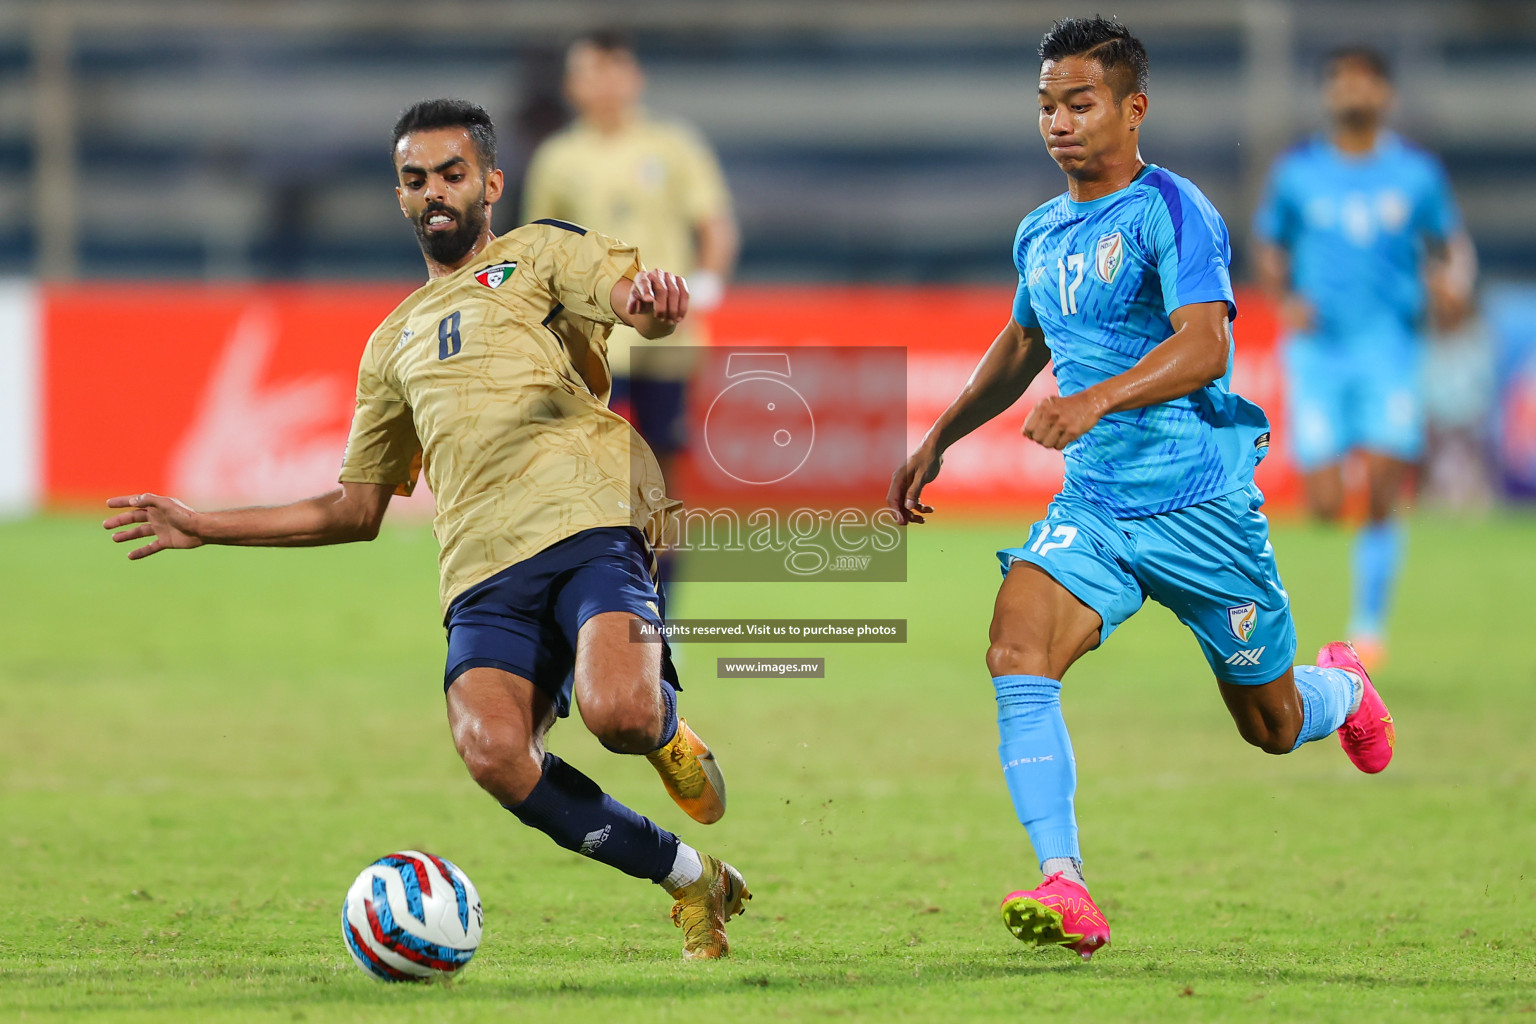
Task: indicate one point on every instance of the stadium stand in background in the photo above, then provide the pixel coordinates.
(241, 141)
(865, 145)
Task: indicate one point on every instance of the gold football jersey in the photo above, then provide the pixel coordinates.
(652, 184)
(495, 380)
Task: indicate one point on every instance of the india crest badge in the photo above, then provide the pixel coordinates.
(494, 275)
(1109, 257)
(1241, 619)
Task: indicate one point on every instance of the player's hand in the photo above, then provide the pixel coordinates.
(172, 524)
(1296, 314)
(660, 294)
(1061, 419)
(1450, 306)
(904, 498)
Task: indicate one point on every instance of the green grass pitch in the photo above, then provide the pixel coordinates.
(199, 752)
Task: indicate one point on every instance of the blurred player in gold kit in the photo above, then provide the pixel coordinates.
(493, 377)
(655, 184)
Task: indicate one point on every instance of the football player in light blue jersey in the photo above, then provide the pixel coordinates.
(1358, 239)
(1123, 283)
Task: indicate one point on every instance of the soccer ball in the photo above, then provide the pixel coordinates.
(411, 916)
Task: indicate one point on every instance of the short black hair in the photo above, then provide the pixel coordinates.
(1372, 59)
(430, 114)
(1105, 40)
(610, 40)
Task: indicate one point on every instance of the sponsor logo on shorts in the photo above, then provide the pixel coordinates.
(594, 839)
(1241, 620)
(1246, 657)
(494, 275)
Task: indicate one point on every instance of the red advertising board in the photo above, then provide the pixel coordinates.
(244, 394)
(945, 331)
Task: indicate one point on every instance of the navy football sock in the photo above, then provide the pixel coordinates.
(575, 812)
(1038, 764)
(669, 723)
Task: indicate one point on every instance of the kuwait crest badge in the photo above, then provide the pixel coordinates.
(1241, 620)
(494, 275)
(1109, 257)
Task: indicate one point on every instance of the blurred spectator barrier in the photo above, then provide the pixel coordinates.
(243, 394)
(1511, 315)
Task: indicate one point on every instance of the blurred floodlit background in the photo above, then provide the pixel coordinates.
(888, 143)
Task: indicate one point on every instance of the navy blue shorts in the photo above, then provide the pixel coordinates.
(657, 408)
(524, 619)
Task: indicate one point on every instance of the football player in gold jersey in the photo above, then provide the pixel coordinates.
(493, 378)
(657, 184)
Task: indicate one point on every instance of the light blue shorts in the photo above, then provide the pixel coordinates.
(1355, 393)
(1211, 564)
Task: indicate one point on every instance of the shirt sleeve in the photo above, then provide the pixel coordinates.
(581, 267)
(704, 190)
(1023, 312)
(1275, 219)
(1437, 215)
(382, 447)
(1190, 248)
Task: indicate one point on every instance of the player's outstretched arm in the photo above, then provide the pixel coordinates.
(653, 302)
(352, 512)
(1016, 357)
(1194, 356)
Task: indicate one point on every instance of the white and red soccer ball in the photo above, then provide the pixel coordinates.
(411, 916)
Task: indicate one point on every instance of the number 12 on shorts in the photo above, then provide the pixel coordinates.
(1050, 540)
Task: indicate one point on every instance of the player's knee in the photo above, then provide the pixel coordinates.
(504, 765)
(1327, 508)
(1268, 738)
(1014, 657)
(631, 726)
(1379, 509)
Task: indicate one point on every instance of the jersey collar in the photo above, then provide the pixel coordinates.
(1103, 201)
(1386, 141)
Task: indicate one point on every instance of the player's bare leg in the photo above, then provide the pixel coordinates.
(1038, 626)
(1267, 716)
(618, 685)
(1281, 715)
(628, 706)
(1039, 629)
(1324, 490)
(499, 720)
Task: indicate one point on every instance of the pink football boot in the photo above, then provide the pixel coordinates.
(1368, 735)
(1058, 912)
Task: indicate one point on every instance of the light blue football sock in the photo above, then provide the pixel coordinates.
(1326, 697)
(1378, 552)
(1038, 765)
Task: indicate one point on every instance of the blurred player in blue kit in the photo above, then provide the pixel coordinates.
(1123, 282)
(1359, 240)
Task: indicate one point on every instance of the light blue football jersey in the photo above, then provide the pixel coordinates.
(1100, 279)
(1356, 228)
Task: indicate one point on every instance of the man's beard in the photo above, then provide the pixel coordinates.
(448, 247)
(1357, 119)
